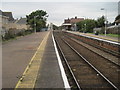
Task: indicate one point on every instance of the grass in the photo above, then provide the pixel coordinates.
(112, 35)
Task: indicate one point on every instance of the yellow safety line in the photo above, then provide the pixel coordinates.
(104, 38)
(99, 37)
(29, 76)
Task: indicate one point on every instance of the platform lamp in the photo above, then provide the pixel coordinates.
(105, 19)
(35, 23)
(84, 23)
(75, 27)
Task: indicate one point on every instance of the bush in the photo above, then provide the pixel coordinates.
(8, 36)
(11, 35)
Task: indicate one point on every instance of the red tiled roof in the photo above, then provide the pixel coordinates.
(67, 20)
(73, 20)
(76, 20)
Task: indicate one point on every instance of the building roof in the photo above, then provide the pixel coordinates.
(117, 21)
(73, 20)
(0, 12)
(76, 20)
(67, 20)
(22, 21)
(8, 14)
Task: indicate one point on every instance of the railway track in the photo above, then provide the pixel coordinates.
(115, 61)
(86, 71)
(102, 44)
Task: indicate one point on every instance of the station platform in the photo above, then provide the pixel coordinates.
(114, 39)
(45, 69)
(49, 75)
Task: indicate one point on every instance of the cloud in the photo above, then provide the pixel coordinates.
(59, 11)
(60, 0)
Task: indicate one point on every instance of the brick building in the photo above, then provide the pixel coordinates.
(70, 24)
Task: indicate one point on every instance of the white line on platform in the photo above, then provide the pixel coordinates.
(64, 77)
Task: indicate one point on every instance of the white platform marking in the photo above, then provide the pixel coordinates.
(64, 77)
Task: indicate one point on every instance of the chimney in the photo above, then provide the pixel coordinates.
(75, 17)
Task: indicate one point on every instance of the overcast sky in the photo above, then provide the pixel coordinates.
(60, 0)
(58, 11)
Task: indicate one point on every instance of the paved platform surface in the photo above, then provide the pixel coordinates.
(114, 39)
(16, 55)
(33, 62)
(49, 75)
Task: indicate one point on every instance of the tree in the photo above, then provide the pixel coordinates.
(55, 27)
(86, 26)
(80, 26)
(100, 22)
(37, 19)
(90, 24)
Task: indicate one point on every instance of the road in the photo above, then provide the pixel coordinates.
(16, 55)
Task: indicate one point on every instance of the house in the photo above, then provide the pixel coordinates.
(70, 24)
(15, 24)
(4, 20)
(21, 24)
(117, 20)
(11, 20)
(8, 14)
(11, 25)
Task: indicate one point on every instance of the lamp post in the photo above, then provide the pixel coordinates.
(75, 27)
(85, 26)
(84, 23)
(105, 19)
(51, 26)
(35, 23)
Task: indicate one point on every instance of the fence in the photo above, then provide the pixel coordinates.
(110, 30)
